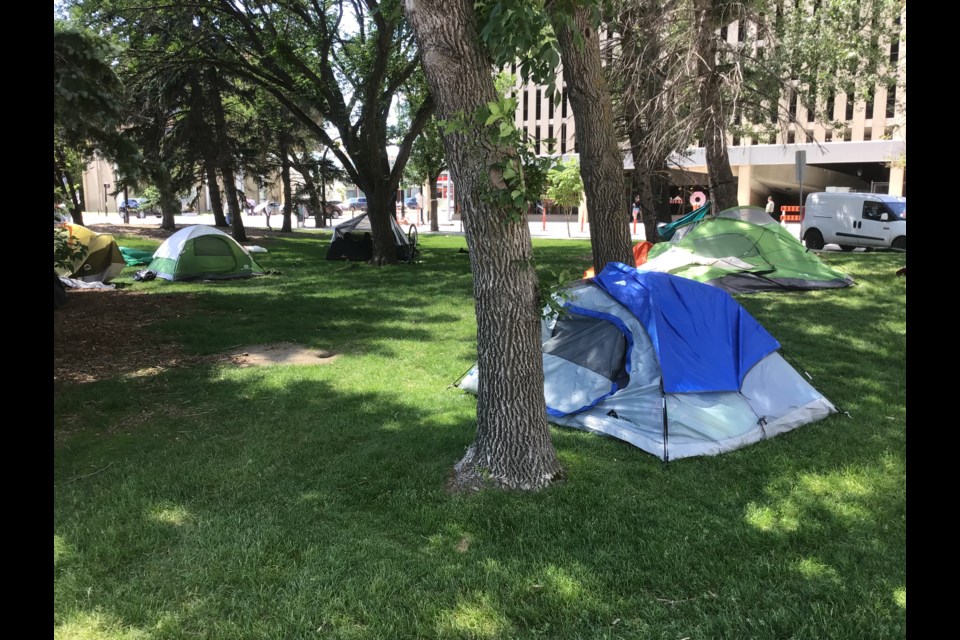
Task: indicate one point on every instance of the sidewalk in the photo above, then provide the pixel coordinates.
(554, 228)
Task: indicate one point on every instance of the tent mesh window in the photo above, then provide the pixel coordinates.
(211, 246)
(590, 343)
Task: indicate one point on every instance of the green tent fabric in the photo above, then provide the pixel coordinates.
(135, 257)
(202, 252)
(743, 250)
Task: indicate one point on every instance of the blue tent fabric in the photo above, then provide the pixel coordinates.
(704, 340)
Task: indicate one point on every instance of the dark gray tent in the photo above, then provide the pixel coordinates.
(352, 240)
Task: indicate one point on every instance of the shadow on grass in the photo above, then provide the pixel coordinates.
(279, 502)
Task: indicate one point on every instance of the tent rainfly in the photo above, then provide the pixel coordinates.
(352, 240)
(670, 365)
(102, 261)
(742, 250)
(201, 252)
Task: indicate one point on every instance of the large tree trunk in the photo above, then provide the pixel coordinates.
(723, 186)
(601, 162)
(512, 447)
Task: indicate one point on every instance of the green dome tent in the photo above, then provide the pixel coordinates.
(201, 252)
(742, 250)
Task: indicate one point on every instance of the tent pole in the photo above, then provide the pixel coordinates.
(663, 412)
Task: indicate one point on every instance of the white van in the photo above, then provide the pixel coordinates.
(854, 220)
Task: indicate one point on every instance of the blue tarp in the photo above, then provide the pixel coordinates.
(704, 339)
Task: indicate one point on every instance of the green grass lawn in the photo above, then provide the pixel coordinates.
(218, 502)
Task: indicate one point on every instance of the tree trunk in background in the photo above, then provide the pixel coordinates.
(434, 205)
(169, 202)
(601, 162)
(285, 178)
(723, 186)
(233, 203)
(512, 446)
(62, 172)
(216, 202)
(224, 159)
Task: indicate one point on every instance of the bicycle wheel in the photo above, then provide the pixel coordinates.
(412, 237)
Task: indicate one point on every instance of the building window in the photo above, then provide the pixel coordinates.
(723, 33)
(791, 137)
(847, 134)
(828, 136)
(869, 106)
(550, 108)
(526, 102)
(891, 101)
(895, 52)
(536, 140)
(563, 103)
(741, 30)
(550, 141)
(849, 113)
(793, 103)
(831, 106)
(867, 134)
(538, 101)
(563, 138)
(811, 114)
(736, 141)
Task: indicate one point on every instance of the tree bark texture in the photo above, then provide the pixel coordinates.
(601, 161)
(723, 186)
(512, 448)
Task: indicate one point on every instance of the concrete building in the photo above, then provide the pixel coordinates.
(866, 153)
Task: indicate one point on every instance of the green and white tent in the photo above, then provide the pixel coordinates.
(742, 250)
(200, 252)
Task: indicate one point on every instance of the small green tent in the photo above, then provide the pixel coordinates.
(742, 250)
(202, 252)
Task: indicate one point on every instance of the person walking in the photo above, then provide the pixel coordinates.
(771, 206)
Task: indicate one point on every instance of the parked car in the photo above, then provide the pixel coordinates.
(139, 207)
(411, 203)
(335, 208)
(132, 205)
(357, 204)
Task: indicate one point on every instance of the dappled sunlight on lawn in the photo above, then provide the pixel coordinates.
(168, 513)
(900, 597)
(96, 625)
(841, 495)
(817, 570)
(475, 617)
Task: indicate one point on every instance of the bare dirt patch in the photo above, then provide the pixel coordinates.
(285, 353)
